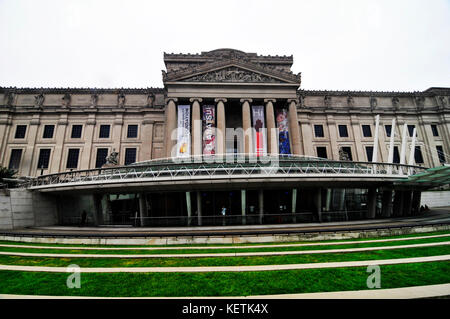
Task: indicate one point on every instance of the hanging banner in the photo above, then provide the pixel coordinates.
(184, 131)
(209, 137)
(283, 128)
(259, 139)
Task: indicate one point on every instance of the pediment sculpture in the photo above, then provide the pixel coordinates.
(233, 75)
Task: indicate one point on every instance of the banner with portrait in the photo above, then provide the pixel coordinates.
(184, 131)
(209, 137)
(259, 138)
(283, 129)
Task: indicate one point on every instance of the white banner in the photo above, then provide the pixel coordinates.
(184, 131)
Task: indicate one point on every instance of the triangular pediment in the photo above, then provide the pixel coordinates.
(231, 72)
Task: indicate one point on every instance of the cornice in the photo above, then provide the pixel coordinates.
(426, 93)
(69, 90)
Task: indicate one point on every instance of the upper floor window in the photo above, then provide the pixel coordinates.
(440, 152)
(44, 158)
(322, 152)
(388, 129)
(369, 153)
(14, 160)
(418, 155)
(434, 129)
(130, 156)
(100, 160)
(104, 131)
(411, 130)
(76, 131)
(343, 132)
(20, 131)
(132, 131)
(366, 131)
(347, 150)
(72, 158)
(396, 158)
(48, 131)
(318, 130)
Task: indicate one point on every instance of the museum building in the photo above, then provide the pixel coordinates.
(230, 139)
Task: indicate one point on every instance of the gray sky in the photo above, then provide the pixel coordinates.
(337, 45)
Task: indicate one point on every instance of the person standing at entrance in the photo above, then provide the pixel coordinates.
(223, 212)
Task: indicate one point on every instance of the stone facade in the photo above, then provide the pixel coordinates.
(220, 77)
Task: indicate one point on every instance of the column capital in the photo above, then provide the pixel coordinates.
(193, 99)
(292, 100)
(246, 100)
(270, 100)
(168, 99)
(220, 99)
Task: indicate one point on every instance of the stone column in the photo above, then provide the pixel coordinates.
(221, 126)
(142, 208)
(328, 200)
(272, 143)
(416, 202)
(88, 151)
(243, 206)
(199, 208)
(294, 204)
(294, 130)
(189, 208)
(246, 126)
(398, 203)
(371, 202)
(387, 203)
(171, 125)
(147, 136)
(196, 127)
(28, 155)
(261, 205)
(58, 165)
(360, 152)
(117, 137)
(407, 203)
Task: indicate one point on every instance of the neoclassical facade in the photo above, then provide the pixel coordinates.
(221, 102)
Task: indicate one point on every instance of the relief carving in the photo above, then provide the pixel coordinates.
(350, 101)
(373, 103)
(231, 75)
(39, 101)
(66, 100)
(395, 102)
(327, 101)
(420, 102)
(94, 100)
(121, 100)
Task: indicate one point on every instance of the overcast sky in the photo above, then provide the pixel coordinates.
(337, 45)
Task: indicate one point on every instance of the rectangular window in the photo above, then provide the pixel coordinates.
(44, 158)
(418, 155)
(440, 152)
(318, 130)
(100, 160)
(14, 160)
(343, 132)
(434, 130)
(72, 158)
(76, 131)
(348, 151)
(130, 156)
(104, 131)
(48, 131)
(411, 130)
(366, 131)
(132, 131)
(388, 129)
(369, 153)
(20, 131)
(322, 152)
(396, 158)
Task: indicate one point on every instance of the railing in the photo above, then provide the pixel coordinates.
(225, 166)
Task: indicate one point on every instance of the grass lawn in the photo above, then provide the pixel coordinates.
(226, 261)
(221, 283)
(229, 250)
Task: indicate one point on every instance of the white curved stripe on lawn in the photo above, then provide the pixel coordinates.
(342, 264)
(247, 254)
(226, 247)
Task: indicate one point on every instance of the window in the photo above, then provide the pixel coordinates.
(418, 155)
(48, 131)
(369, 153)
(434, 130)
(132, 131)
(366, 131)
(76, 131)
(130, 155)
(104, 131)
(388, 129)
(102, 153)
(348, 152)
(343, 132)
(72, 158)
(322, 152)
(318, 130)
(20, 131)
(44, 158)
(440, 153)
(396, 158)
(14, 160)
(411, 130)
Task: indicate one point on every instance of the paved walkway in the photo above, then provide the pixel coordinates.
(360, 263)
(325, 243)
(235, 254)
(393, 293)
